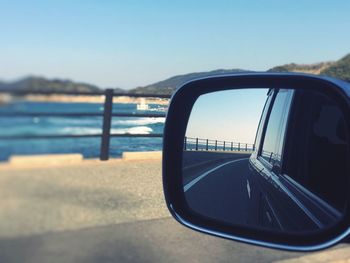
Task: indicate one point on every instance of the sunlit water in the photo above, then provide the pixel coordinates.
(88, 147)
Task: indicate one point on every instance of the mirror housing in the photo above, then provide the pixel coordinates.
(174, 132)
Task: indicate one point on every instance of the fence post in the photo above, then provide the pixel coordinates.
(106, 130)
(246, 147)
(239, 146)
(196, 144)
(206, 147)
(216, 145)
(185, 143)
(224, 145)
(231, 146)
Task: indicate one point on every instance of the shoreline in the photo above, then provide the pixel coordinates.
(81, 99)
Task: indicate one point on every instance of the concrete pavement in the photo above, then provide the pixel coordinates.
(156, 240)
(103, 212)
(68, 197)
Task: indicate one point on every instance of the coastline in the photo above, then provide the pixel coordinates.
(81, 99)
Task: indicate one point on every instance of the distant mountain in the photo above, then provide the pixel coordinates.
(40, 84)
(339, 69)
(315, 68)
(169, 85)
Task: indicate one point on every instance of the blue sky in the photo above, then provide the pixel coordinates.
(132, 43)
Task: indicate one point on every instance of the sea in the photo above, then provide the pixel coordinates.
(88, 147)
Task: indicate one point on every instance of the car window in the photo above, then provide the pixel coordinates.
(273, 141)
(262, 119)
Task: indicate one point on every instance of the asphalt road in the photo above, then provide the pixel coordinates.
(221, 192)
(191, 158)
(196, 163)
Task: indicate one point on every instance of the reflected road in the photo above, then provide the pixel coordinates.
(222, 191)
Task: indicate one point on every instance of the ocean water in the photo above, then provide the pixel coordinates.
(88, 147)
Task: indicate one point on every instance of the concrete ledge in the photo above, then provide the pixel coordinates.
(50, 160)
(155, 155)
(45, 159)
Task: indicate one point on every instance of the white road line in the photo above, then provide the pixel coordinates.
(197, 179)
(248, 189)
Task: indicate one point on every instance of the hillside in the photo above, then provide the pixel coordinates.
(169, 85)
(315, 68)
(339, 69)
(40, 84)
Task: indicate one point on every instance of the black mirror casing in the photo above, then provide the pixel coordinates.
(174, 132)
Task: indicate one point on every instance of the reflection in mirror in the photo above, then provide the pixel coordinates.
(267, 159)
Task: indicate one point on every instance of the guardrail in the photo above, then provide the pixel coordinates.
(198, 144)
(107, 117)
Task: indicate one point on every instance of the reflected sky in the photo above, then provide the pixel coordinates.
(231, 115)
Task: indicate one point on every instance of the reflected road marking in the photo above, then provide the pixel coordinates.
(196, 180)
(248, 189)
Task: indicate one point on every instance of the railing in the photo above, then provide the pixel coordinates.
(107, 117)
(271, 156)
(198, 144)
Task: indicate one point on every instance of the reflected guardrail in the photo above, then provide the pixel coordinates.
(107, 116)
(199, 144)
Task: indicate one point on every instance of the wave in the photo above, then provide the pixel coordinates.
(80, 130)
(98, 121)
(139, 121)
(159, 108)
(75, 121)
(133, 130)
(88, 130)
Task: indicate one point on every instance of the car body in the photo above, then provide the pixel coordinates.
(292, 151)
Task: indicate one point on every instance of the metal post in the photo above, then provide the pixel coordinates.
(216, 145)
(106, 130)
(185, 143)
(253, 147)
(196, 144)
(224, 145)
(239, 146)
(246, 147)
(206, 147)
(231, 146)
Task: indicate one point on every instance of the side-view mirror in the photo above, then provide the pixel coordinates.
(261, 158)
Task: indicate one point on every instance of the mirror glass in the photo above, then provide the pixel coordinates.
(273, 159)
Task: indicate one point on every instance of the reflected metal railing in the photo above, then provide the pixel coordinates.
(107, 116)
(271, 156)
(200, 144)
